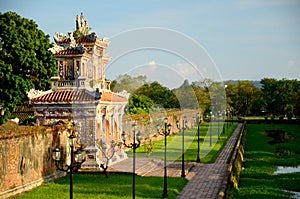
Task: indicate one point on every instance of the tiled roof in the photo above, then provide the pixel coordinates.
(64, 96)
(85, 40)
(89, 38)
(76, 95)
(111, 97)
(71, 51)
(65, 41)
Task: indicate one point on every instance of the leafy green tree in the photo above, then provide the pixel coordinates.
(242, 96)
(287, 90)
(159, 94)
(257, 103)
(142, 93)
(187, 96)
(218, 97)
(139, 104)
(297, 103)
(128, 83)
(25, 61)
(280, 96)
(269, 92)
(203, 96)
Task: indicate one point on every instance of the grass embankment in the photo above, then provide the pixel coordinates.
(262, 155)
(97, 186)
(208, 154)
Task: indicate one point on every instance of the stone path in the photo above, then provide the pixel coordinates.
(150, 167)
(205, 180)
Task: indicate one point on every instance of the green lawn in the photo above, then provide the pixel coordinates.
(96, 186)
(262, 157)
(208, 153)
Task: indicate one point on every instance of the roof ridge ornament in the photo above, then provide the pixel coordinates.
(82, 24)
(32, 93)
(92, 36)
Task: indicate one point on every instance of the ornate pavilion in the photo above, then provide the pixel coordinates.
(81, 93)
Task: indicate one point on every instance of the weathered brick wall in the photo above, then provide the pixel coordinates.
(25, 157)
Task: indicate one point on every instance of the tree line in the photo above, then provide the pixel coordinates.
(274, 97)
(26, 62)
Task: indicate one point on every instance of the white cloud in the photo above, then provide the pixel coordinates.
(185, 69)
(190, 71)
(152, 66)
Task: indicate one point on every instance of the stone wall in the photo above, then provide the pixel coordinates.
(25, 157)
(235, 165)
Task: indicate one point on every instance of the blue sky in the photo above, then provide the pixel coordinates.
(243, 39)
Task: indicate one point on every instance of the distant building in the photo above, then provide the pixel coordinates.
(81, 93)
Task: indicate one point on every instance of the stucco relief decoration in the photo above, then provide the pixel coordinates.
(59, 37)
(56, 48)
(105, 40)
(73, 42)
(32, 93)
(82, 24)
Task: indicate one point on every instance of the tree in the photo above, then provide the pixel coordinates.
(297, 104)
(218, 97)
(203, 96)
(242, 96)
(25, 61)
(287, 90)
(269, 92)
(108, 152)
(186, 96)
(139, 104)
(280, 96)
(128, 83)
(159, 94)
(144, 95)
(257, 103)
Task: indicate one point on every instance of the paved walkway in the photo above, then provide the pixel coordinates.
(205, 180)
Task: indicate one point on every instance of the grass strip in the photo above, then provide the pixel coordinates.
(97, 186)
